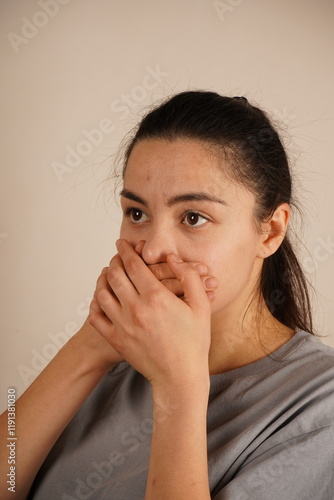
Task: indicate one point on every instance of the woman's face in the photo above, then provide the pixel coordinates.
(177, 199)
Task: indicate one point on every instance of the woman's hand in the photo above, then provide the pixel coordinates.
(160, 335)
(164, 274)
(104, 354)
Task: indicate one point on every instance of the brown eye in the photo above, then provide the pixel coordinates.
(194, 219)
(136, 215)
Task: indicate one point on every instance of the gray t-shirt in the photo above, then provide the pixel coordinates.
(270, 433)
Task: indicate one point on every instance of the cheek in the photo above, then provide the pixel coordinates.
(232, 263)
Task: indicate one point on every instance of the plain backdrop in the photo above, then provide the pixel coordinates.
(76, 77)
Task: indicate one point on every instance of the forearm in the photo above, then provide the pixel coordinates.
(47, 406)
(178, 466)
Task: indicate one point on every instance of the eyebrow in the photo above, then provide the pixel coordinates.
(180, 198)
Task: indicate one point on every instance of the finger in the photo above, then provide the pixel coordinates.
(200, 268)
(135, 268)
(139, 247)
(98, 320)
(162, 271)
(108, 304)
(119, 282)
(174, 285)
(194, 293)
(105, 303)
(210, 283)
(102, 281)
(211, 295)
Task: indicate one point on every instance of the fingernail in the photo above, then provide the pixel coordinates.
(211, 283)
(176, 258)
(211, 295)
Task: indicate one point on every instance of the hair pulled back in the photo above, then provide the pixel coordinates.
(256, 157)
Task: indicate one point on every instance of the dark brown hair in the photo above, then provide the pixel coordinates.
(257, 159)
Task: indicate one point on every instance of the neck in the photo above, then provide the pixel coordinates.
(244, 338)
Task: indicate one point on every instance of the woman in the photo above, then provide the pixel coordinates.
(196, 374)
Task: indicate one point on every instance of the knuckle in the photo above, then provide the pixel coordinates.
(133, 266)
(154, 268)
(92, 318)
(200, 268)
(173, 286)
(93, 305)
(115, 259)
(102, 296)
(113, 276)
(189, 272)
(155, 298)
(139, 316)
(103, 271)
(98, 281)
(159, 271)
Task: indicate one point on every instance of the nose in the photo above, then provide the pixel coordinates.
(158, 243)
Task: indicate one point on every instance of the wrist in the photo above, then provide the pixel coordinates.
(94, 352)
(184, 391)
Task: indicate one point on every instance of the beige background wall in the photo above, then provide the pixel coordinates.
(75, 76)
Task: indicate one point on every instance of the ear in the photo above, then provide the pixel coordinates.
(274, 230)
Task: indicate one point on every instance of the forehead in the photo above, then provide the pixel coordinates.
(159, 170)
(176, 162)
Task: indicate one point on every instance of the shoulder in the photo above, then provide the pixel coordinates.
(311, 362)
(290, 389)
(305, 343)
(285, 403)
(305, 357)
(305, 372)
